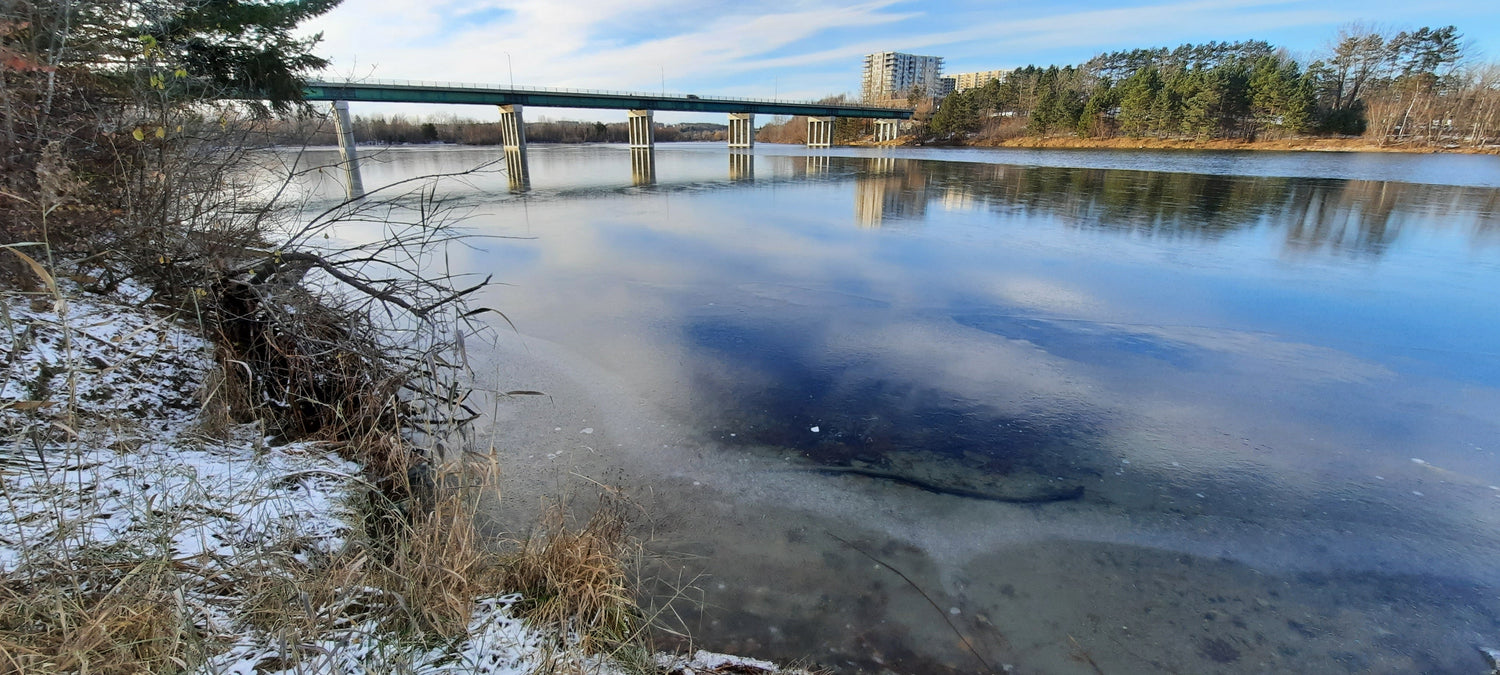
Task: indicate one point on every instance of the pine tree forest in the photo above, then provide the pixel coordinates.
(1407, 87)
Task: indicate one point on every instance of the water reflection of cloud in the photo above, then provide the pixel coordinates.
(718, 301)
(1051, 302)
(1014, 376)
(1288, 361)
(1045, 295)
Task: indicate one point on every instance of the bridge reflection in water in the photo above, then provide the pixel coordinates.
(741, 166)
(1307, 216)
(642, 166)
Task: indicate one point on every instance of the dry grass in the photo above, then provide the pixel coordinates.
(1019, 140)
(413, 567)
(439, 568)
(106, 619)
(422, 584)
(576, 578)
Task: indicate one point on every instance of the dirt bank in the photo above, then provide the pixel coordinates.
(1126, 143)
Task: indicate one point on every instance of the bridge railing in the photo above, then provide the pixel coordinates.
(436, 84)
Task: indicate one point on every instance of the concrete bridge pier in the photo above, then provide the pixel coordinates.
(642, 129)
(887, 130)
(354, 185)
(741, 130)
(820, 132)
(513, 139)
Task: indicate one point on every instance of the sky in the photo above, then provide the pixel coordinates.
(798, 49)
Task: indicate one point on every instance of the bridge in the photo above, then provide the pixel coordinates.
(640, 106)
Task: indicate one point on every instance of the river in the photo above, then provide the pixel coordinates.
(955, 410)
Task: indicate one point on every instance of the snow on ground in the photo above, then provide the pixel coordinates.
(100, 399)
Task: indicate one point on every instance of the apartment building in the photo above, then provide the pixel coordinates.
(891, 76)
(975, 80)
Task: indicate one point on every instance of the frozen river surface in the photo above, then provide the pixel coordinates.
(1168, 412)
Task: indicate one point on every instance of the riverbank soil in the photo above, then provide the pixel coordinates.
(1277, 145)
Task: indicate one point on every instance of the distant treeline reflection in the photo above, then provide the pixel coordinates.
(1349, 216)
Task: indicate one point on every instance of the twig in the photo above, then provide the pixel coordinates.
(925, 596)
(1085, 654)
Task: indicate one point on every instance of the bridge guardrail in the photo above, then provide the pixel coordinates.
(562, 90)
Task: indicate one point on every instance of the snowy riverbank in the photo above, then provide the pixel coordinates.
(118, 474)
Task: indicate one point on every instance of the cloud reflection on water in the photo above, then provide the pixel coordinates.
(1227, 363)
(1173, 317)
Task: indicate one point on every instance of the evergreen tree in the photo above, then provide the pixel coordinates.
(1046, 113)
(1138, 95)
(957, 114)
(245, 48)
(1094, 119)
(1167, 108)
(1280, 95)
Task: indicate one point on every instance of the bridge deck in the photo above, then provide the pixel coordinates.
(389, 91)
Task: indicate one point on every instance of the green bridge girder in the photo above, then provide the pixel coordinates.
(389, 92)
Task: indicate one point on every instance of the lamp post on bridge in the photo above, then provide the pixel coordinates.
(510, 70)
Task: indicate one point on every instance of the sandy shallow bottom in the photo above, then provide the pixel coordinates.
(772, 561)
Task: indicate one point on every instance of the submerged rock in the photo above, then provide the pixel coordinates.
(1014, 489)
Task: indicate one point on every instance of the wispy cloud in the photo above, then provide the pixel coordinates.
(805, 48)
(567, 44)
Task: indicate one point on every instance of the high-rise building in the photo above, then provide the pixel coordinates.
(892, 76)
(964, 81)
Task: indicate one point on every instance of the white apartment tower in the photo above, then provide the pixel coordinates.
(891, 76)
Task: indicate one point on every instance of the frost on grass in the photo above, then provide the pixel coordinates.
(101, 401)
(89, 357)
(497, 644)
(106, 467)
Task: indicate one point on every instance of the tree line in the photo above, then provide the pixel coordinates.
(793, 129)
(402, 129)
(1410, 86)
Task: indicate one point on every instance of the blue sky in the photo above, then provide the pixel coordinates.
(808, 49)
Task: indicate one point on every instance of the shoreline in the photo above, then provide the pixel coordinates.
(1148, 143)
(1057, 143)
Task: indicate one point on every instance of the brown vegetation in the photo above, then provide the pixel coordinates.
(99, 619)
(793, 130)
(1310, 143)
(118, 166)
(573, 577)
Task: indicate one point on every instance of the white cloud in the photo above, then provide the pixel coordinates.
(564, 44)
(797, 49)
